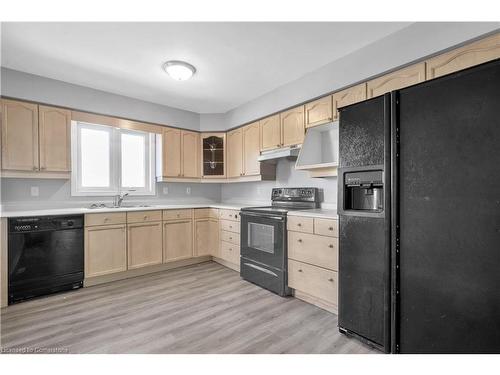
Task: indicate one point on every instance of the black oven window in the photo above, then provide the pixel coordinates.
(261, 237)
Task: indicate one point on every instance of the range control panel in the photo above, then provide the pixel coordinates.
(295, 194)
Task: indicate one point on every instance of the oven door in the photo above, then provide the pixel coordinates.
(263, 238)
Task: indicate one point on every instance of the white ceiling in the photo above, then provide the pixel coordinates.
(235, 62)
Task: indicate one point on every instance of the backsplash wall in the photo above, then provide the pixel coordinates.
(16, 194)
(286, 176)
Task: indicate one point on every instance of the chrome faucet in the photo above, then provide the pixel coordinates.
(118, 199)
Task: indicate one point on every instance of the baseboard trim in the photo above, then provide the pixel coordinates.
(144, 271)
(325, 305)
(225, 263)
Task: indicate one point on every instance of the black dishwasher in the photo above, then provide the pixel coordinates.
(45, 255)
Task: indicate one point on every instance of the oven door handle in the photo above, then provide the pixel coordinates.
(267, 216)
(260, 269)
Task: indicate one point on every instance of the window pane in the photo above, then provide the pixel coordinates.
(133, 163)
(95, 161)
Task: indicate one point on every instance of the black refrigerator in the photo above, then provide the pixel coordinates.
(419, 216)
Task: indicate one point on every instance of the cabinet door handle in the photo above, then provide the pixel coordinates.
(300, 270)
(278, 145)
(330, 246)
(235, 216)
(42, 168)
(35, 168)
(330, 280)
(331, 228)
(299, 224)
(299, 240)
(145, 217)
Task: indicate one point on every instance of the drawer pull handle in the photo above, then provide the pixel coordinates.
(299, 240)
(331, 228)
(300, 270)
(106, 219)
(230, 238)
(299, 224)
(145, 217)
(330, 246)
(330, 279)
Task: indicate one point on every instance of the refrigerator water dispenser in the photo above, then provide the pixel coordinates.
(364, 191)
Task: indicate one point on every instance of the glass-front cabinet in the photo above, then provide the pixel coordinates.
(213, 155)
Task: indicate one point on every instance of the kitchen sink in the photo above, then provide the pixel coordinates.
(95, 206)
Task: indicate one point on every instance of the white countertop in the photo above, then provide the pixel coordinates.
(316, 212)
(86, 210)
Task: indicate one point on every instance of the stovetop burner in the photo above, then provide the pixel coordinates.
(289, 199)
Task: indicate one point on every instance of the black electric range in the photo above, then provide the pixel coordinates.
(264, 240)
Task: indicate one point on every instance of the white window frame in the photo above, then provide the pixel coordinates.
(115, 162)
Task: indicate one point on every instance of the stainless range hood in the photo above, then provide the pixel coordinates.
(286, 152)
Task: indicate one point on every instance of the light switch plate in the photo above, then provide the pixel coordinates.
(188, 190)
(35, 191)
(165, 190)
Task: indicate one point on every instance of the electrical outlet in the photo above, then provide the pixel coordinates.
(35, 191)
(165, 190)
(188, 190)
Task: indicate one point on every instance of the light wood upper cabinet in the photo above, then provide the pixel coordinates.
(270, 131)
(251, 149)
(177, 240)
(19, 136)
(105, 250)
(292, 126)
(319, 111)
(405, 77)
(144, 244)
(190, 154)
(461, 58)
(235, 153)
(171, 153)
(348, 96)
(54, 139)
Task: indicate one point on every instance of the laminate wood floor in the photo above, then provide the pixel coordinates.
(204, 308)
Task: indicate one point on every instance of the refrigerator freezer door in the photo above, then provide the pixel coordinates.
(449, 214)
(364, 222)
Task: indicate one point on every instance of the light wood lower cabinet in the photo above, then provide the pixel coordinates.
(144, 244)
(310, 248)
(105, 250)
(206, 237)
(229, 246)
(177, 240)
(313, 260)
(316, 282)
(230, 252)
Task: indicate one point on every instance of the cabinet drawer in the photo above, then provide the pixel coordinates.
(177, 214)
(318, 250)
(230, 252)
(326, 227)
(300, 224)
(143, 216)
(230, 226)
(315, 281)
(202, 213)
(233, 215)
(108, 218)
(230, 237)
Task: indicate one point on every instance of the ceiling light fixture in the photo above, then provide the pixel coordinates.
(179, 70)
